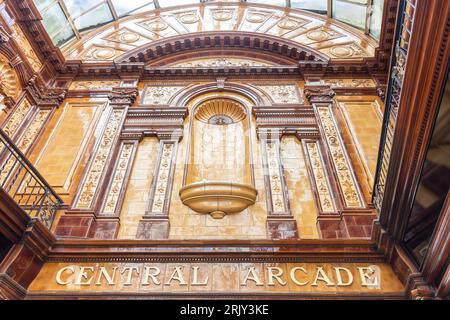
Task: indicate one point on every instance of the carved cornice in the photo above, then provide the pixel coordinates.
(383, 52)
(164, 122)
(51, 97)
(229, 39)
(280, 120)
(26, 12)
(319, 93)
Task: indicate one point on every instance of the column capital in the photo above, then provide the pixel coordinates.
(123, 96)
(320, 93)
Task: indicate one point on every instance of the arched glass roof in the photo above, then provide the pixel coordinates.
(68, 19)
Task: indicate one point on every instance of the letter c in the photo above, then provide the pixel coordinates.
(292, 274)
(60, 272)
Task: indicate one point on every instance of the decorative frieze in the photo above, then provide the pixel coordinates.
(159, 94)
(99, 160)
(121, 171)
(320, 178)
(346, 179)
(94, 85)
(350, 83)
(282, 94)
(221, 62)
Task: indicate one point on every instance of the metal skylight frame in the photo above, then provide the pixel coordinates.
(71, 20)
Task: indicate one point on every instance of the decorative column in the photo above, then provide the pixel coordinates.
(107, 220)
(155, 223)
(86, 219)
(25, 124)
(348, 217)
(340, 161)
(280, 222)
(272, 122)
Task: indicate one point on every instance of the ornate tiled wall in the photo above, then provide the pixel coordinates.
(82, 130)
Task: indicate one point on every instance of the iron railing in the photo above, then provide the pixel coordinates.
(25, 185)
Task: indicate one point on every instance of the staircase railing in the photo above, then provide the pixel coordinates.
(20, 179)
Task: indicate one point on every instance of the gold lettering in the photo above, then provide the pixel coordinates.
(148, 275)
(294, 279)
(321, 275)
(195, 278)
(109, 278)
(339, 276)
(83, 274)
(277, 275)
(60, 272)
(178, 277)
(368, 273)
(130, 274)
(254, 277)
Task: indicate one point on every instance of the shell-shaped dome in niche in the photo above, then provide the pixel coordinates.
(220, 111)
(9, 84)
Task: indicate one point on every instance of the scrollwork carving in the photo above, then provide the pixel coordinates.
(159, 94)
(282, 94)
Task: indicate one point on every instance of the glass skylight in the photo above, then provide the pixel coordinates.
(67, 19)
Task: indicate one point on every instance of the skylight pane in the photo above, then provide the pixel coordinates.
(281, 3)
(66, 33)
(77, 7)
(123, 7)
(171, 3)
(351, 13)
(42, 4)
(96, 17)
(376, 19)
(314, 5)
(54, 19)
(148, 7)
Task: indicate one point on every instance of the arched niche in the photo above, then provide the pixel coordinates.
(218, 177)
